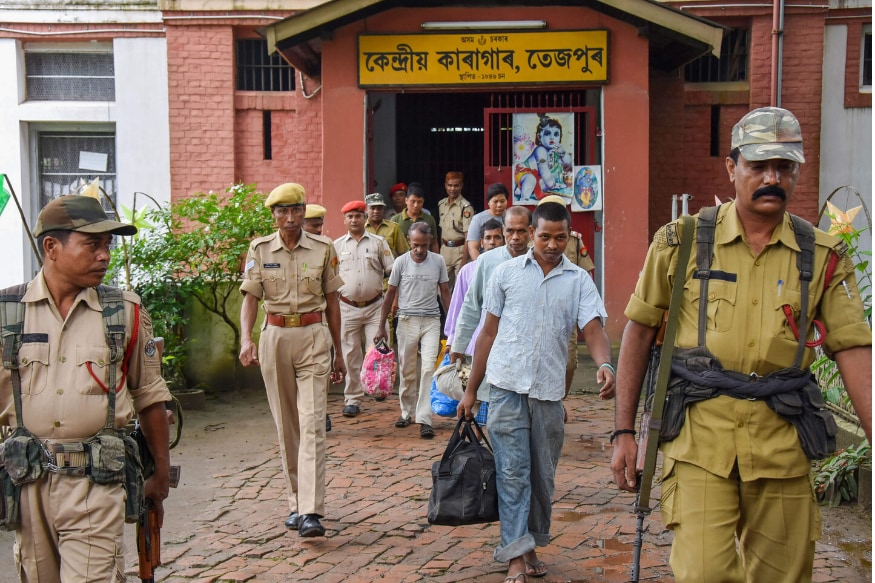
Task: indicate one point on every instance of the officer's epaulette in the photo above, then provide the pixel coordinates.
(261, 240)
(576, 235)
(668, 235)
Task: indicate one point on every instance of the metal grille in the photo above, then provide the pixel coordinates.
(59, 157)
(259, 71)
(501, 123)
(731, 66)
(70, 76)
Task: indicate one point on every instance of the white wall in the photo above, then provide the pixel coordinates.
(140, 118)
(846, 134)
(12, 146)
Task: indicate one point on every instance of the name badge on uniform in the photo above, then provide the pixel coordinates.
(271, 266)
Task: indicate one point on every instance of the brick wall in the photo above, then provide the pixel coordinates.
(217, 133)
(680, 114)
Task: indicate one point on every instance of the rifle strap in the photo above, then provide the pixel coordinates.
(671, 328)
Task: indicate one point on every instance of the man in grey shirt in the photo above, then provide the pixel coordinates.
(417, 278)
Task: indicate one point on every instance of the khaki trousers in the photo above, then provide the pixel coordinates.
(358, 326)
(295, 363)
(453, 258)
(776, 522)
(71, 531)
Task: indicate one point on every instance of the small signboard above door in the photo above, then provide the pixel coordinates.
(488, 58)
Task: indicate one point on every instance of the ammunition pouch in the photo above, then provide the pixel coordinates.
(115, 459)
(791, 393)
(23, 457)
(10, 499)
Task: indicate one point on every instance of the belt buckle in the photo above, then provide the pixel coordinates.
(292, 320)
(361, 304)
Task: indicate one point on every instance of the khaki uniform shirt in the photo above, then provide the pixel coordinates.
(392, 233)
(61, 401)
(749, 333)
(455, 218)
(404, 222)
(363, 264)
(291, 281)
(577, 252)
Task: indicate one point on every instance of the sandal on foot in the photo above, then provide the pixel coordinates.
(516, 578)
(537, 569)
(403, 422)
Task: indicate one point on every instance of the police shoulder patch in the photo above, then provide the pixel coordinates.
(150, 349)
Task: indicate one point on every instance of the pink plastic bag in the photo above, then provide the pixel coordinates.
(378, 370)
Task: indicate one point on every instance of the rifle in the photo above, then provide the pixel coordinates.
(656, 383)
(148, 531)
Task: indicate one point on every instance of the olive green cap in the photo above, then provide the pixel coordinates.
(286, 194)
(82, 214)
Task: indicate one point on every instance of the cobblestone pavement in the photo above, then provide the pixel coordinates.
(377, 495)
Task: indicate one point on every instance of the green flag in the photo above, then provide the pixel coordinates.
(4, 194)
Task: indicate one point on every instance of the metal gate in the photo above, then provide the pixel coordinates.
(498, 140)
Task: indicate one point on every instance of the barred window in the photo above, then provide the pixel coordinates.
(68, 160)
(259, 71)
(69, 76)
(731, 66)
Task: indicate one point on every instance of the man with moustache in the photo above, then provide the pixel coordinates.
(415, 213)
(532, 302)
(378, 225)
(735, 479)
(295, 274)
(364, 259)
(455, 213)
(418, 279)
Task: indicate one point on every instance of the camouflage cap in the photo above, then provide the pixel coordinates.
(286, 194)
(375, 199)
(768, 133)
(82, 214)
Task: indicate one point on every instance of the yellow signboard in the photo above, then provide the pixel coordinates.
(579, 56)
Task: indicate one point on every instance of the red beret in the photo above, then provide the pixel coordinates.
(397, 187)
(355, 205)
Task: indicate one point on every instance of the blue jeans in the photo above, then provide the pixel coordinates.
(527, 436)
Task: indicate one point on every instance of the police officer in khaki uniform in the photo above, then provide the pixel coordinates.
(455, 214)
(314, 218)
(736, 475)
(578, 255)
(365, 259)
(71, 528)
(295, 274)
(378, 225)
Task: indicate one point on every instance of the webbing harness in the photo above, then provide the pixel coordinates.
(12, 312)
(804, 232)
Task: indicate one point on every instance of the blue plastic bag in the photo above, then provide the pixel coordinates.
(440, 403)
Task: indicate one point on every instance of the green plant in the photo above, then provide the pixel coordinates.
(835, 481)
(825, 369)
(192, 250)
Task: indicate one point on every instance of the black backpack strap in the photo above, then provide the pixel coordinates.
(12, 311)
(805, 263)
(705, 228)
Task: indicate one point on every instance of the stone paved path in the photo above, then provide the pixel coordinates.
(377, 495)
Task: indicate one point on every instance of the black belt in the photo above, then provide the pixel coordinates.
(357, 304)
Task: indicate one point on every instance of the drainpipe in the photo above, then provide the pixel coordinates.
(777, 51)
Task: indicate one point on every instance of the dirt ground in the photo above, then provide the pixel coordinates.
(228, 431)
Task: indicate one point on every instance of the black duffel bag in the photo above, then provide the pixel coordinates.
(464, 490)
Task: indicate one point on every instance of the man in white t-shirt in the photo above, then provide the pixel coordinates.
(417, 278)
